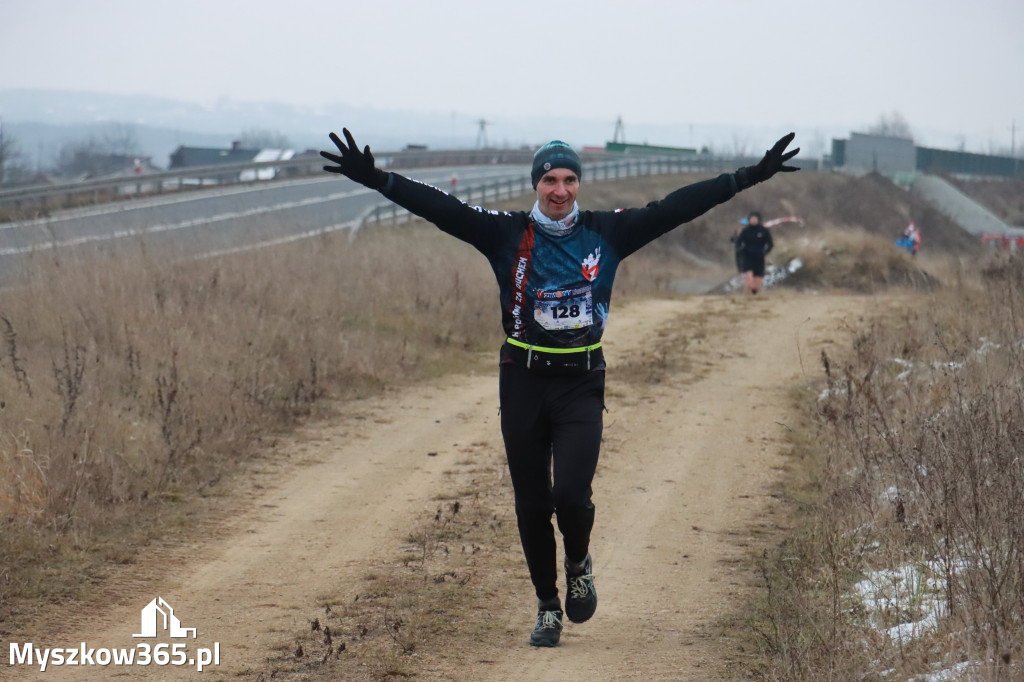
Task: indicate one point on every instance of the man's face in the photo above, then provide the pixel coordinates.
(556, 192)
(754, 220)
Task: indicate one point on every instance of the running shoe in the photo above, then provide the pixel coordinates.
(581, 600)
(548, 630)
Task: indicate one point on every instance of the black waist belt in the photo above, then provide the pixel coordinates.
(555, 361)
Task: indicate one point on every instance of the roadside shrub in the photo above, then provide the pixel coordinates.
(910, 559)
(851, 260)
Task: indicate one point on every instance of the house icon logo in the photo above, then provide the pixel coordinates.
(151, 620)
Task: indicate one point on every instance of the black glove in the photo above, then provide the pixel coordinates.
(354, 164)
(769, 165)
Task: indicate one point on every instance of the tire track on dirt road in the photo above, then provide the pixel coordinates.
(685, 481)
(344, 500)
(686, 471)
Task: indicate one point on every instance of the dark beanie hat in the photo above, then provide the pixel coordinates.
(555, 154)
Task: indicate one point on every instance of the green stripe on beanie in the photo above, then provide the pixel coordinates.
(555, 154)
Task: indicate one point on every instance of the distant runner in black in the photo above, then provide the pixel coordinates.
(555, 266)
(754, 242)
(741, 266)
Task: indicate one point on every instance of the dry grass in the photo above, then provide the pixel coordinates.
(910, 465)
(855, 261)
(129, 383)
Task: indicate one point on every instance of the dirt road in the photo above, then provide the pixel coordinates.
(695, 431)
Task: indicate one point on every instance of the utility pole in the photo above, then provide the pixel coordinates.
(620, 132)
(3, 153)
(481, 135)
(1013, 145)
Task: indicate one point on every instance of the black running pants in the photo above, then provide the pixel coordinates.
(552, 430)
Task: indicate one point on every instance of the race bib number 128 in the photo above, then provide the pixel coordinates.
(564, 308)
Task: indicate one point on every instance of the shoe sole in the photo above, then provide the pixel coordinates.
(545, 643)
(584, 619)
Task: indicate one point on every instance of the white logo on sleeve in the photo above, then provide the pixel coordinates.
(151, 620)
(590, 264)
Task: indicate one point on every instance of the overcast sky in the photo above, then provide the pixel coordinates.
(948, 66)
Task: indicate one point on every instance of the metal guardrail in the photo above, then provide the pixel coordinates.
(85, 192)
(150, 183)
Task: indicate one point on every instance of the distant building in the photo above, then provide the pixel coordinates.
(630, 148)
(878, 153)
(266, 173)
(895, 155)
(190, 157)
(196, 157)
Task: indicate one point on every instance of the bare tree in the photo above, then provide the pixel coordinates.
(10, 157)
(892, 125)
(114, 148)
(120, 139)
(79, 157)
(739, 144)
(115, 151)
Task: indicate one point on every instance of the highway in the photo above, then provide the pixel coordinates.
(218, 220)
(214, 221)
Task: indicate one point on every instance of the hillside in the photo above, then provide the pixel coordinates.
(833, 206)
(1002, 196)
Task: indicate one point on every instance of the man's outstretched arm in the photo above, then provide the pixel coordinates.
(482, 229)
(637, 227)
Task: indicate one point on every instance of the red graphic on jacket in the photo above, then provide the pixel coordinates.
(524, 254)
